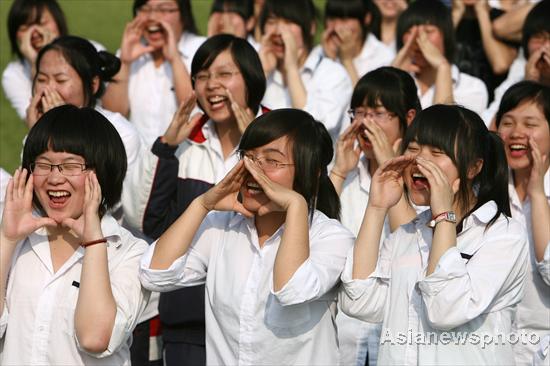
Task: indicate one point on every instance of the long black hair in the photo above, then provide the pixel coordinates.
(312, 151)
(465, 139)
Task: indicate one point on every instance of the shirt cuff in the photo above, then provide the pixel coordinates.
(161, 280)
(3, 321)
(355, 288)
(450, 265)
(163, 150)
(301, 287)
(544, 266)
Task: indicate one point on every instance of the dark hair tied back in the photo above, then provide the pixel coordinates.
(109, 65)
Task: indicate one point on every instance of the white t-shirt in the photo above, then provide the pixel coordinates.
(328, 88)
(533, 316)
(17, 83)
(468, 91)
(37, 325)
(246, 321)
(473, 292)
(151, 91)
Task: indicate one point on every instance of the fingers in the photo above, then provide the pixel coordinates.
(397, 164)
(258, 174)
(433, 173)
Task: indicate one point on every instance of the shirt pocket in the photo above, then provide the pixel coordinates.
(286, 320)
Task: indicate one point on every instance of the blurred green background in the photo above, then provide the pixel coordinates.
(100, 20)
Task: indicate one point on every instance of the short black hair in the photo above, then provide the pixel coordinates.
(525, 91)
(301, 12)
(462, 135)
(86, 61)
(186, 15)
(84, 132)
(432, 12)
(312, 152)
(245, 57)
(29, 12)
(392, 87)
(537, 21)
(350, 9)
(245, 8)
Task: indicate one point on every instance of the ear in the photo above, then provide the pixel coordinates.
(411, 113)
(313, 28)
(250, 24)
(475, 168)
(95, 84)
(368, 19)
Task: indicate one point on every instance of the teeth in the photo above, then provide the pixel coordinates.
(518, 147)
(216, 99)
(58, 193)
(253, 185)
(418, 175)
(153, 28)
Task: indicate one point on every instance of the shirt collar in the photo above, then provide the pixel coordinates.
(312, 61)
(182, 45)
(484, 214)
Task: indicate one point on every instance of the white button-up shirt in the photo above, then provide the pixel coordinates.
(328, 88)
(37, 325)
(533, 315)
(247, 323)
(468, 91)
(151, 90)
(467, 298)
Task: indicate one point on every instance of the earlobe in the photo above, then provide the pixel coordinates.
(95, 84)
(250, 24)
(411, 113)
(368, 19)
(474, 169)
(313, 28)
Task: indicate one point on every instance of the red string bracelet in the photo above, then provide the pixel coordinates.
(93, 242)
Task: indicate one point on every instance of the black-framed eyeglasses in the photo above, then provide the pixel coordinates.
(267, 164)
(375, 116)
(221, 76)
(67, 169)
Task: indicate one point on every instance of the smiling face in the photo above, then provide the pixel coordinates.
(279, 150)
(211, 93)
(46, 22)
(276, 25)
(56, 73)
(390, 9)
(155, 11)
(516, 127)
(60, 196)
(346, 25)
(417, 184)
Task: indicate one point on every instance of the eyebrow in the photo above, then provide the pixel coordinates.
(70, 159)
(273, 150)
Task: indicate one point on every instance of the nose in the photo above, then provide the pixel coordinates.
(55, 175)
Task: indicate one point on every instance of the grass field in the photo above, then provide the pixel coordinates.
(100, 20)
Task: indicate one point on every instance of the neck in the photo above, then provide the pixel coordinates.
(387, 31)
(158, 57)
(426, 78)
(266, 225)
(63, 234)
(460, 212)
(521, 180)
(229, 136)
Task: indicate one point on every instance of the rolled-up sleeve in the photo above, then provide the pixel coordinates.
(321, 271)
(459, 290)
(365, 299)
(544, 266)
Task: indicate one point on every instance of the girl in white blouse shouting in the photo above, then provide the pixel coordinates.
(271, 258)
(446, 284)
(68, 271)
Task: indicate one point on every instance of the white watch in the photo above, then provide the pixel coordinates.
(445, 216)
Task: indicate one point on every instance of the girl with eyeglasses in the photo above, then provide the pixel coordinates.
(68, 271)
(195, 152)
(383, 104)
(155, 53)
(266, 242)
(455, 273)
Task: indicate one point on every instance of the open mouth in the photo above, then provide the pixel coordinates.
(217, 101)
(518, 150)
(58, 198)
(420, 182)
(154, 28)
(253, 188)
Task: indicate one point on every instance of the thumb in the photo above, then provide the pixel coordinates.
(70, 223)
(46, 221)
(242, 210)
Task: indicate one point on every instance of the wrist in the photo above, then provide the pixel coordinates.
(338, 174)
(375, 209)
(202, 203)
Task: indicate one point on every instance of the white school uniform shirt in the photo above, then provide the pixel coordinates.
(247, 323)
(357, 336)
(533, 316)
(473, 297)
(374, 54)
(328, 88)
(37, 324)
(468, 91)
(17, 83)
(151, 91)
